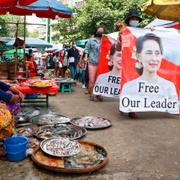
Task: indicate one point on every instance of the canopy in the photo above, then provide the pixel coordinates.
(163, 23)
(42, 8)
(81, 43)
(47, 9)
(164, 9)
(15, 2)
(9, 55)
(31, 43)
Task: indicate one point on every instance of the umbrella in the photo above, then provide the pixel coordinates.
(163, 9)
(49, 9)
(15, 2)
(42, 8)
(31, 43)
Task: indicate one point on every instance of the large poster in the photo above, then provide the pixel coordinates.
(150, 70)
(109, 67)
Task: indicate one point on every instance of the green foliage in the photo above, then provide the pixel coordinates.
(8, 29)
(68, 30)
(34, 34)
(2, 45)
(4, 29)
(94, 13)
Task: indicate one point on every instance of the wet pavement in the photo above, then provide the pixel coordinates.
(147, 148)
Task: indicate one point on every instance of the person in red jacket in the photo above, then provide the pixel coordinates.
(30, 64)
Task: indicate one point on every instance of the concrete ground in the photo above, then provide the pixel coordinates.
(144, 149)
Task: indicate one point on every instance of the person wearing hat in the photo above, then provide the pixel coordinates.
(133, 18)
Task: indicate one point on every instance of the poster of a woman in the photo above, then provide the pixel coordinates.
(108, 84)
(149, 92)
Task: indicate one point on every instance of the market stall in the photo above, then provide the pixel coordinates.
(42, 87)
(8, 70)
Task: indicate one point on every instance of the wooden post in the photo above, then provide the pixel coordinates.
(49, 31)
(24, 33)
(24, 47)
(16, 59)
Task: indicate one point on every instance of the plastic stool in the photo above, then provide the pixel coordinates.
(31, 96)
(66, 87)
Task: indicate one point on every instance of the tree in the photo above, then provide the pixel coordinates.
(8, 29)
(4, 30)
(34, 34)
(67, 30)
(94, 13)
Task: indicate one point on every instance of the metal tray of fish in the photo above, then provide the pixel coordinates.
(27, 114)
(25, 131)
(60, 130)
(60, 147)
(91, 122)
(65, 80)
(33, 143)
(41, 84)
(52, 118)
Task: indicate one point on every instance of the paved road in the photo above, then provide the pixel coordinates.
(144, 149)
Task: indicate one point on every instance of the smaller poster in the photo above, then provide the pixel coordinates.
(109, 69)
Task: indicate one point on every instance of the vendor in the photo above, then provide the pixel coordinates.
(11, 97)
(32, 59)
(30, 64)
(6, 125)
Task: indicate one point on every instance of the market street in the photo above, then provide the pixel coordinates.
(144, 149)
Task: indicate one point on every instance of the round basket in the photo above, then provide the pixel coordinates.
(61, 161)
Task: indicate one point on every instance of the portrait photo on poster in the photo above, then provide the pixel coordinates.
(149, 91)
(108, 84)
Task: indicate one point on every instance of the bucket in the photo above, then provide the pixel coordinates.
(17, 156)
(16, 147)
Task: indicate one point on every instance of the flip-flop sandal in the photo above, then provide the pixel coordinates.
(132, 115)
(99, 98)
(91, 98)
